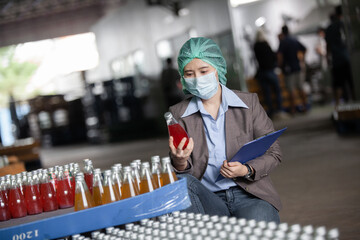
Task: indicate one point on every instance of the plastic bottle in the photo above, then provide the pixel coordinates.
(147, 183)
(110, 195)
(17, 205)
(48, 194)
(89, 173)
(64, 194)
(129, 187)
(32, 196)
(116, 179)
(168, 175)
(83, 197)
(175, 130)
(135, 173)
(156, 170)
(98, 190)
(4, 208)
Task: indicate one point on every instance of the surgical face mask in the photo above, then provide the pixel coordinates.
(203, 87)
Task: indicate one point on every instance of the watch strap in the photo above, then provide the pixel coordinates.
(250, 172)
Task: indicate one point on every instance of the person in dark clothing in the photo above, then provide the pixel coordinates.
(338, 55)
(266, 76)
(289, 62)
(171, 85)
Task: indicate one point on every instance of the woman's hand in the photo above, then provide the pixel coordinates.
(178, 155)
(233, 169)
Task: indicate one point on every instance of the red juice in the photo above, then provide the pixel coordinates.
(5, 193)
(17, 205)
(178, 133)
(89, 181)
(33, 199)
(4, 208)
(48, 197)
(64, 194)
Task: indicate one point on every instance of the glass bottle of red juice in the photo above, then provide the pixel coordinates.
(4, 188)
(176, 130)
(64, 192)
(47, 192)
(32, 195)
(17, 205)
(4, 208)
(4, 204)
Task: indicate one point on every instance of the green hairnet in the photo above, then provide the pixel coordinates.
(206, 50)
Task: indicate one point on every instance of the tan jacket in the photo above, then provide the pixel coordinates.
(241, 126)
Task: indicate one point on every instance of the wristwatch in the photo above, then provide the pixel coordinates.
(250, 172)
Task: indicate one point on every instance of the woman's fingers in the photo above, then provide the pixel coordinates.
(171, 145)
(226, 173)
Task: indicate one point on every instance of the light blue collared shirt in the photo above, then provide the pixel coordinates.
(215, 137)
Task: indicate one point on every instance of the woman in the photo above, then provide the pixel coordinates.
(220, 121)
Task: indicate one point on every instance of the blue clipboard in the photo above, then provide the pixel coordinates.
(255, 148)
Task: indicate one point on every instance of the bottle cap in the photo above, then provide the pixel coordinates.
(107, 173)
(168, 115)
(165, 159)
(145, 164)
(155, 158)
(127, 169)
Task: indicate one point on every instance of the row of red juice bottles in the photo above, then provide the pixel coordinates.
(42, 190)
(66, 186)
(122, 182)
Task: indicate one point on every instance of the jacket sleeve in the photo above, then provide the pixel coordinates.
(262, 125)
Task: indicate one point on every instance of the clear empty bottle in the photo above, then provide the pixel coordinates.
(32, 196)
(175, 130)
(83, 197)
(147, 183)
(116, 179)
(17, 205)
(129, 187)
(110, 194)
(98, 190)
(48, 193)
(89, 173)
(156, 170)
(168, 175)
(64, 193)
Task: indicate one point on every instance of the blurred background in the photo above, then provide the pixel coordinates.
(83, 79)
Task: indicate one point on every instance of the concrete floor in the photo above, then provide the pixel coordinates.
(318, 180)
